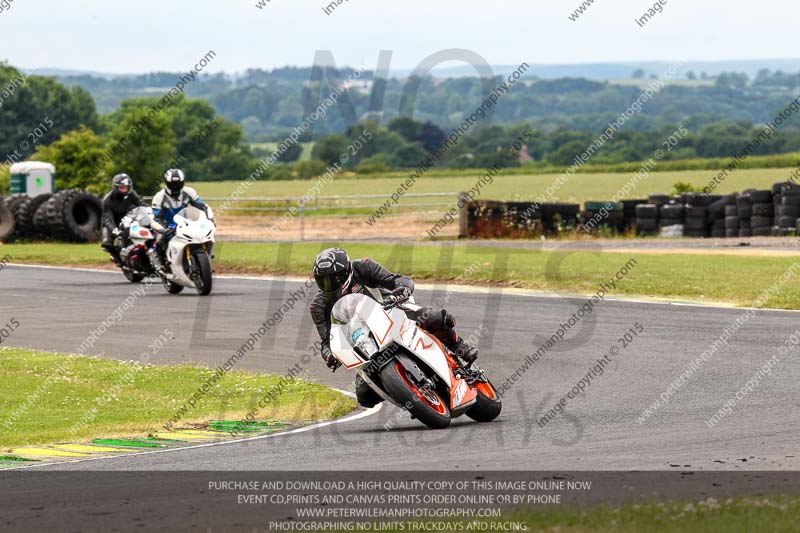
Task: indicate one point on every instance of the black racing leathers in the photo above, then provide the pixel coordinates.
(115, 207)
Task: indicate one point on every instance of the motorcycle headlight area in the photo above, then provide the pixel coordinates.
(362, 340)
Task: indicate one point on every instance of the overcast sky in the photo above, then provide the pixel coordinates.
(148, 35)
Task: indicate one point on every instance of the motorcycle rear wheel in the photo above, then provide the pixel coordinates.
(487, 405)
(203, 280)
(425, 405)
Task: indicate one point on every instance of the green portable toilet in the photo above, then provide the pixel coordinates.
(32, 178)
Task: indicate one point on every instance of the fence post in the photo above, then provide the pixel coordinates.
(463, 215)
(302, 221)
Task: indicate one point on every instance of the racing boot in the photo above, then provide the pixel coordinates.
(155, 260)
(464, 351)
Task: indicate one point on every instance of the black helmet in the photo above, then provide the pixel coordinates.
(332, 270)
(173, 181)
(122, 184)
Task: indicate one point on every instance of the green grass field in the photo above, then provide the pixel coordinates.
(135, 400)
(521, 187)
(735, 279)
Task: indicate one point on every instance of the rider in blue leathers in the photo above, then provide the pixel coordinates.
(168, 202)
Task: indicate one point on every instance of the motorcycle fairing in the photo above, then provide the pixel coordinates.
(343, 351)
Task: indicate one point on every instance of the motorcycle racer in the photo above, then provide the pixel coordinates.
(116, 205)
(170, 200)
(336, 276)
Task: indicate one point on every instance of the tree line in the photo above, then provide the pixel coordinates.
(203, 138)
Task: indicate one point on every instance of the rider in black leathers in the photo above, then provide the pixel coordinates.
(336, 276)
(116, 205)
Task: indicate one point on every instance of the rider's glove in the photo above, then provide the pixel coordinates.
(329, 358)
(115, 232)
(400, 294)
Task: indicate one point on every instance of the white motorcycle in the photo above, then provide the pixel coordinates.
(406, 365)
(136, 239)
(190, 251)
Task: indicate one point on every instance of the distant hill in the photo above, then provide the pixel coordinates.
(615, 71)
(590, 71)
(269, 103)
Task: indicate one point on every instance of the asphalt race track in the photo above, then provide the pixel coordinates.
(56, 309)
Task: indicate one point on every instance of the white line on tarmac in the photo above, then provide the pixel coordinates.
(368, 412)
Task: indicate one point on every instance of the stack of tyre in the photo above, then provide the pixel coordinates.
(731, 219)
(715, 215)
(629, 212)
(69, 215)
(671, 219)
(786, 198)
(647, 219)
(609, 215)
(762, 213)
(744, 210)
(559, 217)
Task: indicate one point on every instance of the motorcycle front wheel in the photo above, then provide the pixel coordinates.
(426, 405)
(487, 405)
(201, 273)
(172, 288)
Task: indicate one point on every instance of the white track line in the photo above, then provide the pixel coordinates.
(473, 289)
(368, 412)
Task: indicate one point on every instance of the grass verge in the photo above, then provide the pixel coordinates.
(774, 513)
(79, 398)
(739, 280)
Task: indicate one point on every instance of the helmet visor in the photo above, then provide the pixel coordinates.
(333, 281)
(175, 186)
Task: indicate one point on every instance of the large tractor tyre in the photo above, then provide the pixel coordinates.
(51, 214)
(487, 405)
(17, 204)
(40, 226)
(74, 216)
(427, 406)
(83, 217)
(7, 222)
(29, 213)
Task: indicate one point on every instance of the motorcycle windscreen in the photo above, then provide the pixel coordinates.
(341, 348)
(360, 307)
(142, 216)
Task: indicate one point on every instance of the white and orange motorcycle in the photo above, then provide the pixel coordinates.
(408, 366)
